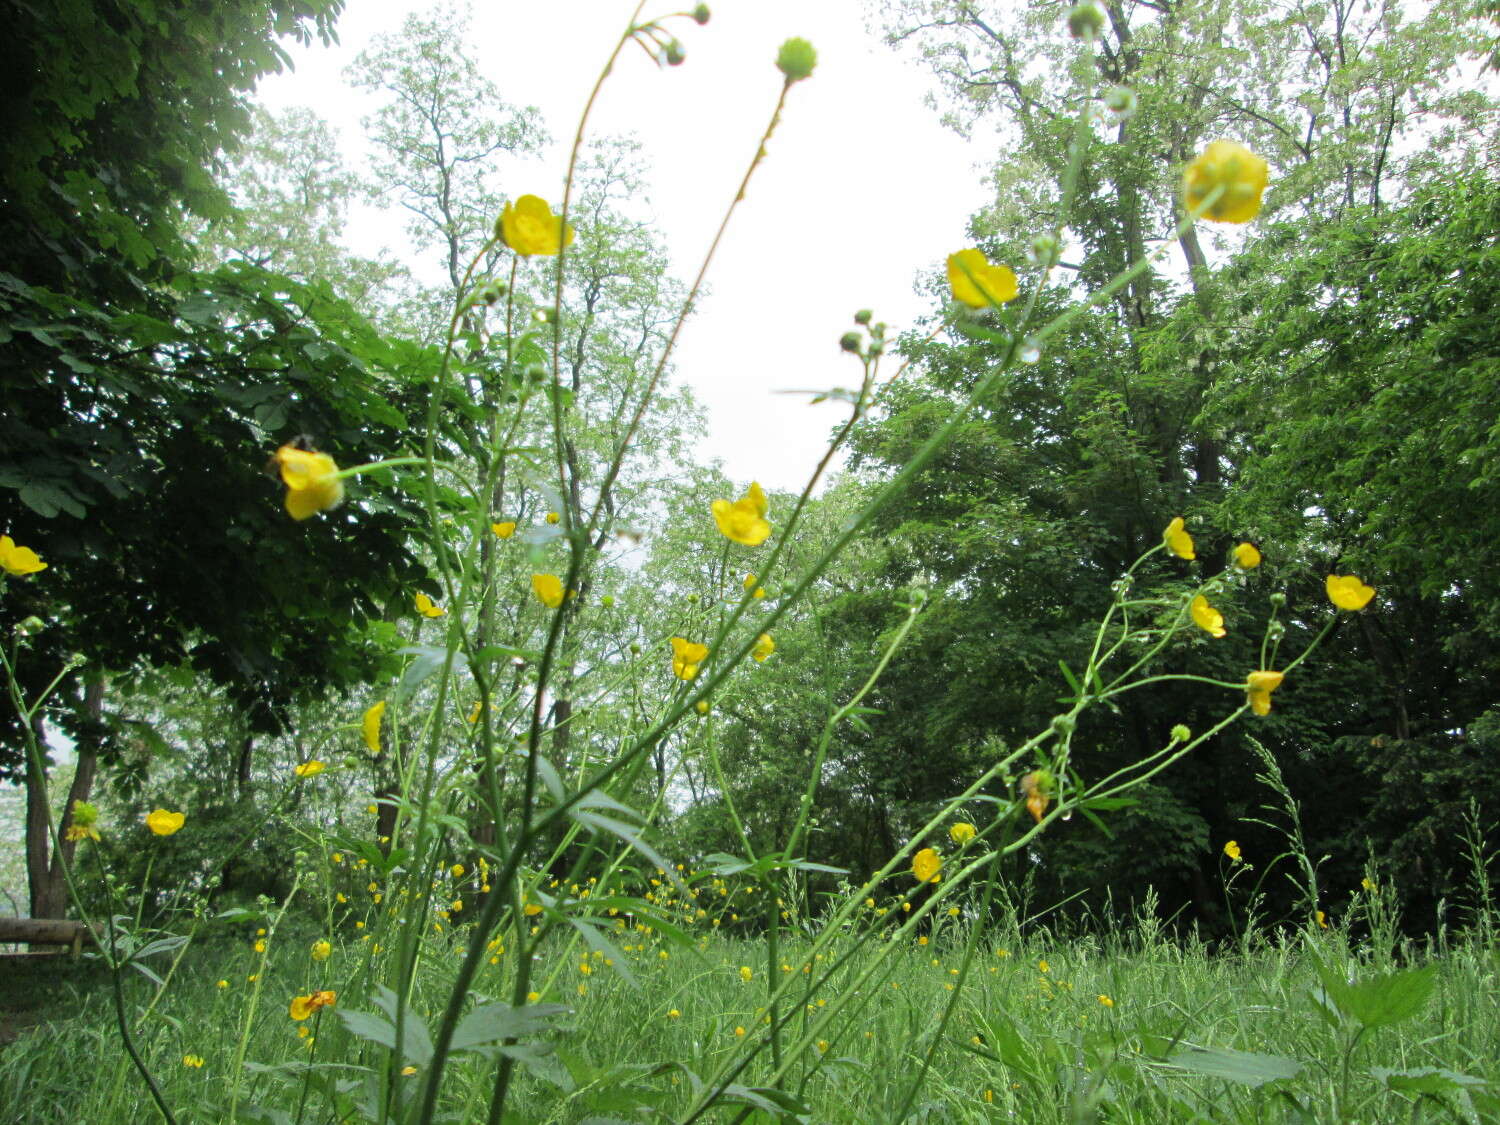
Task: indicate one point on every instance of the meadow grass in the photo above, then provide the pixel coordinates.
(1127, 1025)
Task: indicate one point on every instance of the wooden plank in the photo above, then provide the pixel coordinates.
(42, 931)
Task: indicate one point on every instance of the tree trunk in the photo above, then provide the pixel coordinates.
(46, 882)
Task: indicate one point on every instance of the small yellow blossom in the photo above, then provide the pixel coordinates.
(311, 479)
(504, 530)
(1178, 541)
(408, 1071)
(739, 1033)
(962, 832)
(533, 997)
(1246, 557)
(1321, 919)
(1105, 1000)
(1348, 592)
(549, 588)
(476, 711)
(553, 518)
(370, 727)
(686, 656)
(457, 871)
(764, 647)
(310, 768)
(744, 520)
(529, 227)
(1237, 170)
(978, 284)
(195, 1061)
(673, 1014)
(164, 823)
(1368, 884)
(1036, 787)
(1043, 967)
(304, 1006)
(222, 984)
(260, 945)
(746, 973)
(427, 607)
(1206, 617)
(927, 865)
(18, 561)
(752, 588)
(321, 950)
(1259, 686)
(1232, 850)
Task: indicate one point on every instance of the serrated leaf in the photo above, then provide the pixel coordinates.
(1245, 1067)
(490, 1023)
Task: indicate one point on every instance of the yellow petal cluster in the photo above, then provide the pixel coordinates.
(164, 823)
(370, 727)
(1246, 557)
(1348, 592)
(529, 227)
(504, 530)
(744, 520)
(427, 607)
(1259, 686)
(304, 1006)
(310, 768)
(549, 588)
(1206, 617)
(311, 479)
(686, 656)
(19, 561)
(764, 647)
(977, 283)
(962, 832)
(1237, 170)
(927, 866)
(1178, 541)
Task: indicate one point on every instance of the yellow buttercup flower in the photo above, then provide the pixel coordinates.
(977, 283)
(1368, 884)
(549, 588)
(1237, 170)
(1105, 1000)
(1178, 541)
(686, 656)
(427, 607)
(195, 1061)
(504, 530)
(962, 832)
(744, 520)
(1259, 686)
(312, 483)
(1206, 617)
(477, 711)
(747, 974)
(321, 950)
(1321, 919)
(370, 727)
(1348, 592)
(164, 823)
(1246, 557)
(529, 227)
(764, 647)
(553, 518)
(19, 561)
(310, 768)
(1232, 850)
(927, 865)
(303, 1006)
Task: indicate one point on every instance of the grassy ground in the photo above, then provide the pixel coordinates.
(1130, 1027)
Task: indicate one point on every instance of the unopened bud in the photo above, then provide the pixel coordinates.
(673, 53)
(1278, 600)
(607, 600)
(850, 342)
(1181, 733)
(796, 59)
(1120, 102)
(1043, 251)
(700, 14)
(864, 316)
(1086, 20)
(635, 649)
(701, 707)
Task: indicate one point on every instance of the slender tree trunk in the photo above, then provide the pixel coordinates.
(45, 878)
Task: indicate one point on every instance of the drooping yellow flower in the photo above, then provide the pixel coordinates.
(927, 866)
(1232, 850)
(321, 950)
(529, 227)
(370, 727)
(427, 607)
(1178, 541)
(1321, 919)
(1259, 686)
(686, 656)
(504, 530)
(1206, 617)
(1036, 787)
(1348, 592)
(978, 284)
(1237, 170)
(962, 832)
(303, 1006)
(1246, 557)
(312, 483)
(764, 647)
(164, 823)
(549, 588)
(19, 561)
(310, 768)
(744, 520)
(477, 711)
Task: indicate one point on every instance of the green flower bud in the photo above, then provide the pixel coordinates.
(796, 59)
(607, 600)
(700, 14)
(674, 54)
(850, 342)
(864, 316)
(635, 649)
(1043, 251)
(1278, 600)
(1120, 102)
(1181, 733)
(1086, 21)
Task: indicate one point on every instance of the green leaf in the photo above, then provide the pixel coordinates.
(490, 1023)
(1425, 1080)
(1383, 1000)
(1244, 1067)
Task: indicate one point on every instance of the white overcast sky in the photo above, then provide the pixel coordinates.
(862, 188)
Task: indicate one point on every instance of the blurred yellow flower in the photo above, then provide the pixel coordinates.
(549, 588)
(321, 950)
(1206, 617)
(1321, 919)
(427, 607)
(686, 656)
(309, 768)
(1178, 541)
(1232, 850)
(927, 865)
(195, 1061)
(528, 227)
(962, 832)
(85, 821)
(977, 283)
(311, 479)
(164, 823)
(744, 520)
(747, 974)
(19, 561)
(1105, 1000)
(370, 726)
(504, 530)
(1259, 686)
(477, 710)
(1368, 884)
(1237, 170)
(673, 1014)
(1348, 592)
(764, 647)
(304, 1006)
(1246, 557)
(1036, 787)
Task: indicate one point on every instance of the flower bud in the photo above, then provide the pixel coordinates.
(1181, 733)
(796, 59)
(673, 53)
(864, 316)
(1063, 724)
(700, 14)
(635, 649)
(1120, 102)
(1086, 21)
(1278, 600)
(31, 625)
(607, 600)
(1043, 251)
(701, 707)
(850, 342)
